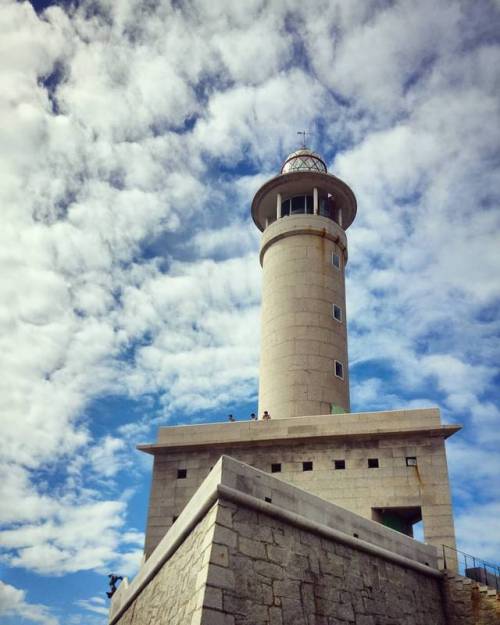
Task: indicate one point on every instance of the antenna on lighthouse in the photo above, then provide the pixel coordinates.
(303, 133)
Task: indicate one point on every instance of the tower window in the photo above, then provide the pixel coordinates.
(182, 474)
(335, 260)
(339, 464)
(339, 370)
(325, 207)
(411, 461)
(276, 467)
(337, 312)
(373, 463)
(307, 466)
(298, 204)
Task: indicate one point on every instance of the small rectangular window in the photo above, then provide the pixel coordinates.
(336, 260)
(276, 467)
(182, 474)
(373, 463)
(339, 464)
(307, 466)
(339, 369)
(268, 499)
(411, 461)
(337, 312)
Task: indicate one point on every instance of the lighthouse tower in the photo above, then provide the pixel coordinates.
(303, 214)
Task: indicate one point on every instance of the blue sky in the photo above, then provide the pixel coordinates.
(134, 136)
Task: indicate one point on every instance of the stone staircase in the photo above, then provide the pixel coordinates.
(469, 602)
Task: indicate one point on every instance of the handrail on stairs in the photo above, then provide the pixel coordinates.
(486, 573)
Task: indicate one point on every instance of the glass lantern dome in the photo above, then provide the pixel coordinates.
(303, 160)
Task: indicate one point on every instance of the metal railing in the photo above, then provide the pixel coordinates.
(485, 573)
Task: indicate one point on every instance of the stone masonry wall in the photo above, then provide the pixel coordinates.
(269, 572)
(176, 593)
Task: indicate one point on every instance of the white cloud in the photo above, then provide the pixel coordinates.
(473, 470)
(226, 242)
(78, 536)
(484, 544)
(94, 604)
(108, 458)
(378, 59)
(203, 353)
(13, 603)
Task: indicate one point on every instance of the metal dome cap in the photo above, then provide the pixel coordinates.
(303, 160)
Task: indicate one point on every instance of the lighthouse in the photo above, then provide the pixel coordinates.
(387, 467)
(303, 214)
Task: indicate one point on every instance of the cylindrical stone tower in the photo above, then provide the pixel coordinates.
(303, 214)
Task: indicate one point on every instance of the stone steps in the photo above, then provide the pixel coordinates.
(483, 601)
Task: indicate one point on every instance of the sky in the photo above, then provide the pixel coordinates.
(134, 135)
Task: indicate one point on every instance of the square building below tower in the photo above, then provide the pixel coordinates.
(389, 467)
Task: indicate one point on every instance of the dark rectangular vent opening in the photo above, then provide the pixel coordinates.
(276, 467)
(182, 474)
(307, 466)
(339, 464)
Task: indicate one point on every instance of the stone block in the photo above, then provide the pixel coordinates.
(220, 577)
(279, 555)
(269, 569)
(224, 536)
(293, 611)
(275, 616)
(219, 554)
(212, 598)
(252, 548)
(286, 588)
